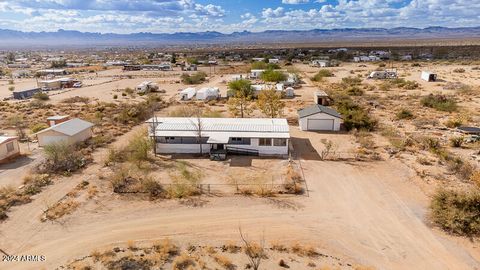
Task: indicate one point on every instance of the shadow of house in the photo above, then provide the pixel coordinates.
(303, 149)
(17, 163)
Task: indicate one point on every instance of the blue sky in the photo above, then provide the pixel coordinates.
(167, 16)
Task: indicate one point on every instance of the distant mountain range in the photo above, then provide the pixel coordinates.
(65, 38)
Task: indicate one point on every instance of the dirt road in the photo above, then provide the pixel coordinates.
(369, 213)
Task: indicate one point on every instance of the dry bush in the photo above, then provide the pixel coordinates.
(184, 262)
(231, 247)
(131, 245)
(62, 158)
(456, 141)
(35, 182)
(304, 250)
(166, 249)
(184, 183)
(439, 102)
(224, 262)
(457, 212)
(276, 246)
(475, 178)
(60, 209)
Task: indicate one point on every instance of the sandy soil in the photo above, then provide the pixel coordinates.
(345, 199)
(370, 213)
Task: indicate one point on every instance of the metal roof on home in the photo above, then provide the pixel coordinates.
(4, 139)
(70, 127)
(470, 130)
(314, 109)
(231, 127)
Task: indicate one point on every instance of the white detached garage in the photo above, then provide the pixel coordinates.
(70, 132)
(319, 118)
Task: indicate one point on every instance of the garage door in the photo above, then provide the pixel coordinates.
(319, 124)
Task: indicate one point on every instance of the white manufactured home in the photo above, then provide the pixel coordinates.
(220, 136)
(70, 132)
(319, 118)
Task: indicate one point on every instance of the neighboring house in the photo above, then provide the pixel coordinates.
(57, 119)
(429, 76)
(256, 73)
(26, 93)
(55, 72)
(188, 93)
(258, 59)
(58, 83)
(469, 130)
(9, 148)
(320, 63)
(319, 118)
(321, 98)
(383, 74)
(208, 93)
(273, 61)
(146, 87)
(70, 132)
(220, 136)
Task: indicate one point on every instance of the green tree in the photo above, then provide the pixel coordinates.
(244, 86)
(273, 76)
(270, 103)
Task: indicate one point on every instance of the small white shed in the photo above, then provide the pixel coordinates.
(319, 118)
(70, 132)
(256, 73)
(188, 93)
(429, 76)
(289, 92)
(208, 93)
(9, 148)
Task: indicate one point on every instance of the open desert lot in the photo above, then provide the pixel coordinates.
(205, 164)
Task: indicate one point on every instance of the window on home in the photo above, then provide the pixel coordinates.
(265, 142)
(244, 141)
(279, 142)
(10, 147)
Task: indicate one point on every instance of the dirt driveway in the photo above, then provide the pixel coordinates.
(353, 210)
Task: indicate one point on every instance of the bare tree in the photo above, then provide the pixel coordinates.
(255, 252)
(330, 149)
(198, 125)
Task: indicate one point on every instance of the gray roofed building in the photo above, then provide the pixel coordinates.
(318, 109)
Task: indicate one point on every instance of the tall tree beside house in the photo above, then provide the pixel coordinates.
(240, 105)
(270, 103)
(198, 126)
(244, 86)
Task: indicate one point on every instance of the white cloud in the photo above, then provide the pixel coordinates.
(273, 13)
(294, 2)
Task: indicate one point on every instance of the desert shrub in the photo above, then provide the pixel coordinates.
(76, 99)
(223, 261)
(124, 94)
(271, 75)
(456, 141)
(11, 88)
(263, 65)
(439, 102)
(184, 183)
(354, 91)
(457, 212)
(404, 114)
(402, 83)
(454, 122)
(322, 74)
(459, 70)
(152, 187)
(351, 80)
(385, 86)
(354, 115)
(34, 183)
(416, 65)
(196, 78)
(184, 262)
(304, 250)
(62, 158)
(475, 178)
(115, 96)
(41, 96)
(38, 127)
(139, 147)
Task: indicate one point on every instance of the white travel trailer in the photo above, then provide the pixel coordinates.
(188, 93)
(429, 76)
(146, 87)
(208, 93)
